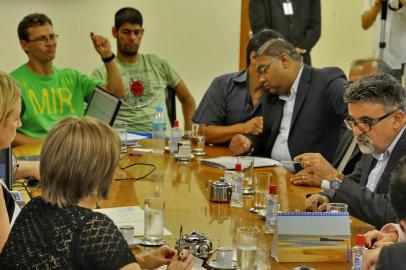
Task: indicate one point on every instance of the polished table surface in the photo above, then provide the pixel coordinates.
(186, 191)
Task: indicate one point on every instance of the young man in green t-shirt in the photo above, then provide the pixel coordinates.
(148, 74)
(50, 94)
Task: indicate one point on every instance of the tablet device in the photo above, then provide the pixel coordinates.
(103, 106)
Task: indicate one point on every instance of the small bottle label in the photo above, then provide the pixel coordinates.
(357, 261)
(357, 254)
(158, 126)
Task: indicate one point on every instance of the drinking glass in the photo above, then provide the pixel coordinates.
(185, 147)
(121, 128)
(247, 248)
(247, 164)
(225, 257)
(262, 180)
(198, 139)
(128, 232)
(337, 207)
(154, 221)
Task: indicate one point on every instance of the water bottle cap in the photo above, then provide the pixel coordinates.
(361, 240)
(176, 123)
(272, 189)
(159, 109)
(238, 167)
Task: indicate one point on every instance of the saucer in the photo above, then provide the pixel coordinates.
(248, 192)
(192, 156)
(199, 154)
(213, 265)
(151, 243)
(262, 213)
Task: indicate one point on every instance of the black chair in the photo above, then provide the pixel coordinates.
(171, 104)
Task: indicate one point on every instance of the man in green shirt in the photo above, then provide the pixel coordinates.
(146, 76)
(50, 94)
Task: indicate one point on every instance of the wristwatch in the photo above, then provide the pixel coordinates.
(335, 184)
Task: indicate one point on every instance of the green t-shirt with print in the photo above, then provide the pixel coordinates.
(156, 75)
(48, 99)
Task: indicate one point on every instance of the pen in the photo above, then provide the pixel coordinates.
(181, 255)
(289, 162)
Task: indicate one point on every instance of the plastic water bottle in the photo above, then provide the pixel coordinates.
(176, 136)
(358, 252)
(236, 195)
(158, 131)
(272, 207)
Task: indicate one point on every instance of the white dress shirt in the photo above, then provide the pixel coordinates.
(280, 150)
(382, 161)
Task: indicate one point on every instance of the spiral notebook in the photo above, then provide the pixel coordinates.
(312, 237)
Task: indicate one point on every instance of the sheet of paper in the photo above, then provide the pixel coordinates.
(129, 215)
(228, 162)
(146, 150)
(135, 137)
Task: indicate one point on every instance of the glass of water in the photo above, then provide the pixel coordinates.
(247, 164)
(337, 207)
(247, 248)
(262, 180)
(198, 139)
(121, 129)
(185, 147)
(154, 221)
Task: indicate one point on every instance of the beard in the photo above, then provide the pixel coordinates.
(127, 51)
(365, 145)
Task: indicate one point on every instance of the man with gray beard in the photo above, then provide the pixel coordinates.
(376, 108)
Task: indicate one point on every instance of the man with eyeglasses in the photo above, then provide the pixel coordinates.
(303, 109)
(49, 94)
(147, 77)
(376, 106)
(232, 103)
(316, 170)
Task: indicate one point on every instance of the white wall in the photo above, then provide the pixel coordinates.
(199, 38)
(342, 39)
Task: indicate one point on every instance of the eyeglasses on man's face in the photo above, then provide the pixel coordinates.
(261, 70)
(45, 39)
(366, 123)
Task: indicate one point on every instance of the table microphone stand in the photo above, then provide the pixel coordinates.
(384, 12)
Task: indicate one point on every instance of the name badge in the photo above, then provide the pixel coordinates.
(287, 8)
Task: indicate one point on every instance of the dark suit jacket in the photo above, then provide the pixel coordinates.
(317, 116)
(302, 29)
(392, 257)
(371, 207)
(341, 150)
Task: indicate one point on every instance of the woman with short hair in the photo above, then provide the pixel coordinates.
(10, 108)
(59, 229)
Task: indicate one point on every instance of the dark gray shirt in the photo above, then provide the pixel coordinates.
(227, 101)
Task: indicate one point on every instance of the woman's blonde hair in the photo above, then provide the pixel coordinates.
(9, 95)
(79, 157)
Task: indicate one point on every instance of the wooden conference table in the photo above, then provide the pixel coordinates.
(185, 189)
